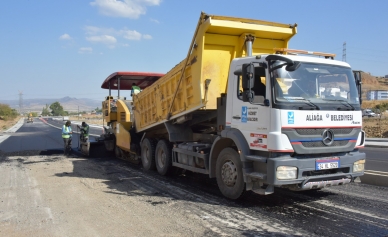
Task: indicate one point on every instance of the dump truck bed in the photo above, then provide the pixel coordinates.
(216, 42)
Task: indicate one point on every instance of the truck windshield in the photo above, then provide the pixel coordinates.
(317, 84)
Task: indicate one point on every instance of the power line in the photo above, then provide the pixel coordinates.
(379, 50)
(369, 60)
(366, 54)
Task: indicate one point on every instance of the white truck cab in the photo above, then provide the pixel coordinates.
(303, 129)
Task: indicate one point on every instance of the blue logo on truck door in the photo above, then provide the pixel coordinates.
(244, 114)
(290, 117)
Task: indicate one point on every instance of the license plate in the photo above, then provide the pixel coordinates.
(325, 164)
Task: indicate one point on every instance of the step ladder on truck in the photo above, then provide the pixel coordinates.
(244, 109)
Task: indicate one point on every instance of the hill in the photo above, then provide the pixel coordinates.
(370, 82)
(68, 104)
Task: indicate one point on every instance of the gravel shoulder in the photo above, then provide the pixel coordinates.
(45, 196)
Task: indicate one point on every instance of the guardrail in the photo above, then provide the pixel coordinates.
(376, 142)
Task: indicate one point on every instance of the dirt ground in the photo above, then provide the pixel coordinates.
(376, 127)
(61, 196)
(89, 119)
(5, 124)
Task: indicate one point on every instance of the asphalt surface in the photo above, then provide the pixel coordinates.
(356, 209)
(377, 158)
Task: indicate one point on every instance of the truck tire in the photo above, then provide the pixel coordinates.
(118, 152)
(163, 157)
(148, 154)
(229, 174)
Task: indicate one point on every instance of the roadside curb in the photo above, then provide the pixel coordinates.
(15, 127)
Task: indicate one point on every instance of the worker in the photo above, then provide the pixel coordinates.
(66, 135)
(135, 89)
(84, 136)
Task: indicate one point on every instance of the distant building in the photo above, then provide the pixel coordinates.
(386, 76)
(377, 95)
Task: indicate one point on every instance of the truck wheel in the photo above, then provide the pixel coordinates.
(163, 157)
(118, 152)
(229, 174)
(148, 154)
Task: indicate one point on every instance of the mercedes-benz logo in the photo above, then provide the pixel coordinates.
(328, 137)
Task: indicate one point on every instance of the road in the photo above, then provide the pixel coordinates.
(46, 194)
(377, 158)
(39, 136)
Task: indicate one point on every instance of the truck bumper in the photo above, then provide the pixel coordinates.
(307, 175)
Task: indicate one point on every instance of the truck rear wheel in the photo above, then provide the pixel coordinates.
(229, 174)
(163, 157)
(148, 154)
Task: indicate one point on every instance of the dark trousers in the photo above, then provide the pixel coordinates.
(67, 142)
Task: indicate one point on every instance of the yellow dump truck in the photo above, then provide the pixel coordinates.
(238, 109)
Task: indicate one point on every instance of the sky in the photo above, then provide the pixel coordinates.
(58, 48)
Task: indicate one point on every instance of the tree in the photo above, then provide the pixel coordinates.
(98, 110)
(45, 111)
(57, 109)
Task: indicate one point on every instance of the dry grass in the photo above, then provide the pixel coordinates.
(89, 119)
(369, 104)
(6, 124)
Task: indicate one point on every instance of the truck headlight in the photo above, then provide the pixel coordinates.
(286, 172)
(359, 166)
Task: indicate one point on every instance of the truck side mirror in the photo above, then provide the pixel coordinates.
(292, 67)
(357, 77)
(248, 81)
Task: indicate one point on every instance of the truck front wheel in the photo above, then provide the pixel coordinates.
(148, 154)
(118, 152)
(163, 157)
(229, 174)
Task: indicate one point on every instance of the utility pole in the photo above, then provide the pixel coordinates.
(344, 52)
(20, 102)
(78, 112)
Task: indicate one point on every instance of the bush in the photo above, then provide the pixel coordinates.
(7, 112)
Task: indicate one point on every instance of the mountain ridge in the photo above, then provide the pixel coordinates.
(69, 104)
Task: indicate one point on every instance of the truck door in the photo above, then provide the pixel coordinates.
(252, 118)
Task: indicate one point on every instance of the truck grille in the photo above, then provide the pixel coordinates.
(320, 143)
(319, 131)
